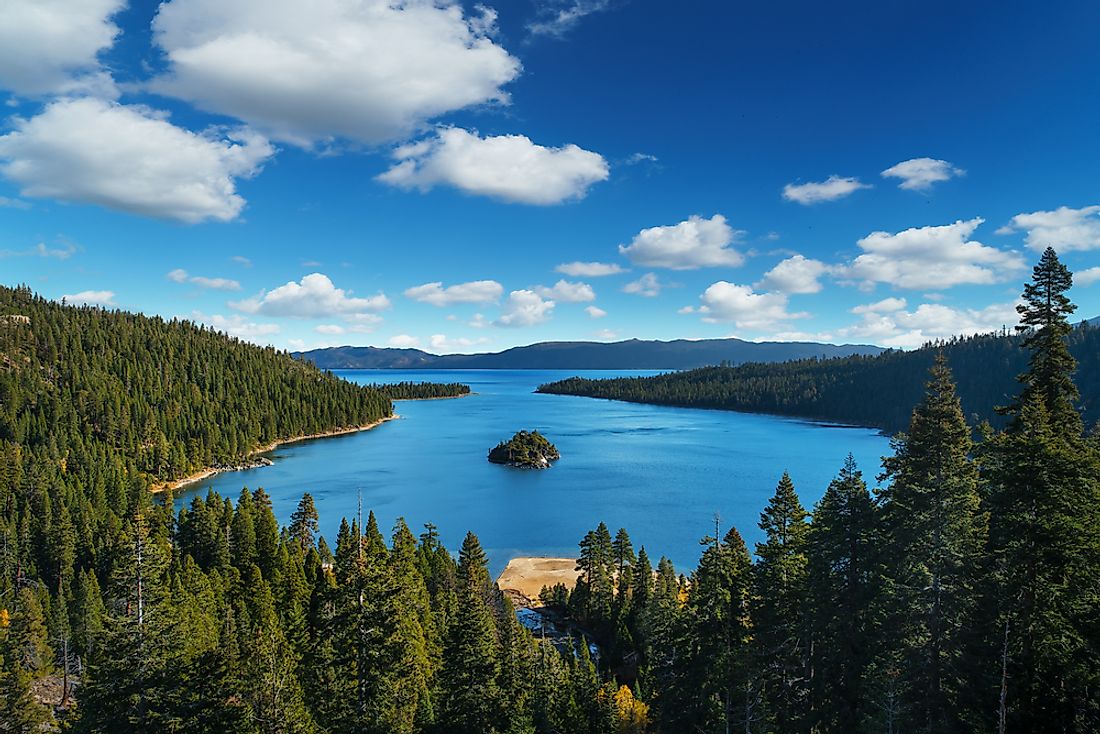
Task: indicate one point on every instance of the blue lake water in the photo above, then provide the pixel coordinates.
(660, 472)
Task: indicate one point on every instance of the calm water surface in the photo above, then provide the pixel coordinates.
(660, 472)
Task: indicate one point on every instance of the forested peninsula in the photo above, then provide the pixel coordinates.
(960, 594)
(873, 391)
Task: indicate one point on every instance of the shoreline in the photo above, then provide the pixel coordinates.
(208, 472)
(440, 397)
(526, 575)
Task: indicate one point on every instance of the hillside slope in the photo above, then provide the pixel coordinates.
(876, 391)
(634, 354)
(155, 399)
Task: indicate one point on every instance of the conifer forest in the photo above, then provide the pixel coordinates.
(954, 588)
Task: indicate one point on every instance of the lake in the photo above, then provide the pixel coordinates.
(660, 472)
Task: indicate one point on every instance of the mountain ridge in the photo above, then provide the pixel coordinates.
(626, 354)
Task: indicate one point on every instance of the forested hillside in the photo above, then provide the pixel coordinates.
(111, 398)
(960, 595)
(873, 391)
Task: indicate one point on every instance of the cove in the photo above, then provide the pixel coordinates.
(660, 472)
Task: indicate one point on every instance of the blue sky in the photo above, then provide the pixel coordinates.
(468, 178)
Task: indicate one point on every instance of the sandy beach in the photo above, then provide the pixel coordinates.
(207, 473)
(527, 575)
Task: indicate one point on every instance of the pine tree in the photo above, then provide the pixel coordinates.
(845, 581)
(20, 713)
(1044, 320)
(303, 523)
(934, 533)
(1043, 498)
(469, 694)
(781, 629)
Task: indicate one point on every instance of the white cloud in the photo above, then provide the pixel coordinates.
(329, 329)
(886, 305)
(371, 71)
(506, 167)
(179, 275)
(1086, 277)
(728, 302)
(242, 260)
(62, 251)
(443, 343)
(796, 274)
(130, 158)
(567, 292)
(524, 308)
(831, 189)
(556, 17)
(691, 244)
(314, 297)
(362, 323)
(238, 326)
(1064, 229)
(478, 321)
(90, 298)
(605, 334)
(50, 46)
(476, 291)
(404, 341)
(648, 285)
(589, 269)
(8, 203)
(932, 258)
(887, 323)
(918, 174)
(595, 312)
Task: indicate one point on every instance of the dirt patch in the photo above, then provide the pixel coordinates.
(528, 575)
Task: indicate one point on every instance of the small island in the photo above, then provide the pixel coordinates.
(527, 449)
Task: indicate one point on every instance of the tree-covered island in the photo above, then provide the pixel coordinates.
(527, 449)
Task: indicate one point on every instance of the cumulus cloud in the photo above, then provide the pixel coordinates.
(62, 251)
(404, 341)
(728, 302)
(796, 274)
(648, 285)
(238, 326)
(242, 261)
(589, 269)
(506, 167)
(1086, 277)
(179, 275)
(606, 334)
(130, 158)
(595, 312)
(931, 258)
(9, 203)
(918, 174)
(886, 305)
(556, 17)
(691, 244)
(894, 327)
(476, 291)
(524, 308)
(567, 292)
(50, 46)
(831, 189)
(90, 298)
(329, 329)
(1064, 229)
(371, 71)
(443, 343)
(315, 296)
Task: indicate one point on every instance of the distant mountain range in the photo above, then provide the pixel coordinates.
(633, 354)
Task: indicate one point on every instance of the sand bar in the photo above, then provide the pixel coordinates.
(527, 575)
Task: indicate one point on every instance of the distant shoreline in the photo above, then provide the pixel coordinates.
(209, 472)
